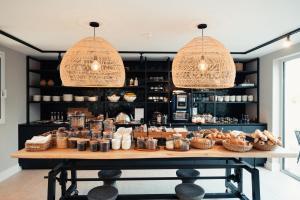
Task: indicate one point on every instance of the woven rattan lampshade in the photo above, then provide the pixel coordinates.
(219, 72)
(76, 68)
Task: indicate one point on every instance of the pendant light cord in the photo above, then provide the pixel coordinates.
(202, 41)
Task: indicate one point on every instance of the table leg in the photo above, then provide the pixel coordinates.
(255, 184)
(63, 182)
(51, 185)
(227, 174)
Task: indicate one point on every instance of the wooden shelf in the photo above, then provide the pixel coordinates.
(66, 87)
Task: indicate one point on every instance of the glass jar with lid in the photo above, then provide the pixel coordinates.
(77, 120)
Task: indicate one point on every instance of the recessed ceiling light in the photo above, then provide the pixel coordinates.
(147, 35)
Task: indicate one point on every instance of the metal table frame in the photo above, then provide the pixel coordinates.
(233, 175)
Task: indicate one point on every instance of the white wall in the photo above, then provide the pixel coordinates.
(271, 93)
(15, 75)
(270, 86)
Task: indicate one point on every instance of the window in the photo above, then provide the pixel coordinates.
(2, 88)
(291, 111)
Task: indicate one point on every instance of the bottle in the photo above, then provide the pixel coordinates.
(131, 82)
(136, 82)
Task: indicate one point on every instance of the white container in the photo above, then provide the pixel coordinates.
(46, 98)
(245, 98)
(36, 97)
(79, 98)
(250, 98)
(220, 98)
(238, 98)
(115, 144)
(226, 98)
(55, 98)
(232, 98)
(126, 144)
(93, 98)
(68, 97)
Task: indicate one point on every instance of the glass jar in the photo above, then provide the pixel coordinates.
(94, 145)
(170, 143)
(185, 145)
(77, 120)
(108, 125)
(140, 143)
(151, 144)
(104, 145)
(81, 145)
(96, 125)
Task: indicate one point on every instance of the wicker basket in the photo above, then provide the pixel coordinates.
(37, 146)
(238, 148)
(264, 147)
(202, 144)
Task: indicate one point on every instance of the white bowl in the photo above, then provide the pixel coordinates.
(129, 98)
(46, 98)
(113, 98)
(36, 97)
(93, 98)
(68, 97)
(56, 98)
(79, 98)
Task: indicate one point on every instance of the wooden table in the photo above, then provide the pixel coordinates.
(215, 158)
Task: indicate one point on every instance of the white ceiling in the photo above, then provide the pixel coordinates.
(149, 25)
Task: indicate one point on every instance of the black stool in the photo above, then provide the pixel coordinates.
(109, 174)
(103, 193)
(189, 191)
(182, 173)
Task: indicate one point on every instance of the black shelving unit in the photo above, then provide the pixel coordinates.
(233, 109)
(143, 68)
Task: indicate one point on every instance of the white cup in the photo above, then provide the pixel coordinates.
(36, 97)
(244, 98)
(220, 98)
(232, 98)
(46, 98)
(238, 98)
(56, 98)
(250, 98)
(226, 98)
(115, 144)
(126, 144)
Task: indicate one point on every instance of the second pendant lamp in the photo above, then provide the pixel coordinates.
(203, 63)
(92, 62)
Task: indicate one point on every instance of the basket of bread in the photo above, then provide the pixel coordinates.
(237, 143)
(216, 135)
(202, 143)
(265, 141)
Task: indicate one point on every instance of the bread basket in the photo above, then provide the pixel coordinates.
(202, 143)
(264, 147)
(236, 147)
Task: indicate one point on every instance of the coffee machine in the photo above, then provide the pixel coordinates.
(181, 106)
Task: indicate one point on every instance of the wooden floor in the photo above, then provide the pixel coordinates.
(30, 185)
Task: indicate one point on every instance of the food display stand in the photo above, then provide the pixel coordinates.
(216, 158)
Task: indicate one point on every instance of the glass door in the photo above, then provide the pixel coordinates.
(291, 111)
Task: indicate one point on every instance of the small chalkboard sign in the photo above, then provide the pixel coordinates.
(249, 138)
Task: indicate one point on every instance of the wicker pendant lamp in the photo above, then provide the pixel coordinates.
(92, 62)
(203, 63)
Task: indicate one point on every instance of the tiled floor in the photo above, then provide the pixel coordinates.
(30, 185)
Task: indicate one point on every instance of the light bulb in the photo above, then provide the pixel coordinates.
(287, 42)
(95, 65)
(202, 66)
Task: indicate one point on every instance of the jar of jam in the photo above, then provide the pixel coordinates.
(81, 145)
(94, 145)
(104, 145)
